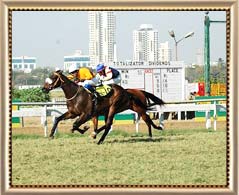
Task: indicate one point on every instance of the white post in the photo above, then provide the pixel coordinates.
(161, 119)
(215, 116)
(179, 115)
(45, 120)
(208, 119)
(137, 122)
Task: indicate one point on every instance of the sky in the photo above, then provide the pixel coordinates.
(51, 35)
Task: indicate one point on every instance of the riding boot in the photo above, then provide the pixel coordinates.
(95, 98)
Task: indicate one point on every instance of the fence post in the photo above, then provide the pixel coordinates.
(45, 120)
(215, 116)
(179, 116)
(208, 119)
(161, 119)
(22, 122)
(136, 115)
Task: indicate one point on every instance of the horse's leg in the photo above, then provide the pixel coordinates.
(97, 131)
(155, 126)
(109, 121)
(142, 112)
(147, 120)
(81, 120)
(95, 123)
(64, 116)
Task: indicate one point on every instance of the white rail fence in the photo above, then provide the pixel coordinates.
(55, 109)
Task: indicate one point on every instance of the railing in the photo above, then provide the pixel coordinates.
(52, 109)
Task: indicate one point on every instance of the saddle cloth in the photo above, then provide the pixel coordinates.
(103, 90)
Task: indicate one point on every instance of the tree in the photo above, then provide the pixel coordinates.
(36, 77)
(30, 95)
(217, 73)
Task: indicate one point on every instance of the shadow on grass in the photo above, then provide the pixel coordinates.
(143, 139)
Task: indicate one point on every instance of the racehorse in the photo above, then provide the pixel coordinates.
(79, 103)
(145, 98)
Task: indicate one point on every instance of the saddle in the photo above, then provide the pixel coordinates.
(100, 92)
(104, 90)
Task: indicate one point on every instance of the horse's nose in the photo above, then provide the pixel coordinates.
(44, 89)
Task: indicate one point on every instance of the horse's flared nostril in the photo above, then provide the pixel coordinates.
(44, 90)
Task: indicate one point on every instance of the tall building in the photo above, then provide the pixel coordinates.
(145, 42)
(165, 52)
(102, 45)
(77, 58)
(23, 63)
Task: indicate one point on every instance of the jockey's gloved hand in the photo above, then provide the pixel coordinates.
(101, 82)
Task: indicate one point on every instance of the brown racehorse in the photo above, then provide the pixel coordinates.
(148, 99)
(79, 103)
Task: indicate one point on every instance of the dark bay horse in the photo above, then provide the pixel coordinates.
(148, 100)
(79, 103)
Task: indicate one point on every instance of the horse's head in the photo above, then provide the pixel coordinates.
(55, 80)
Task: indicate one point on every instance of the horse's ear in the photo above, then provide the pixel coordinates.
(58, 70)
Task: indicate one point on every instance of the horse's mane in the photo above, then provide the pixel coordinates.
(65, 78)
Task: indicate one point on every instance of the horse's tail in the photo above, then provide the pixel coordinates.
(153, 98)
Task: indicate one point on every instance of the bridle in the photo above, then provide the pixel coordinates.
(58, 78)
(62, 81)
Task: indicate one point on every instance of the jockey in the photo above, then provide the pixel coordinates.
(108, 75)
(83, 76)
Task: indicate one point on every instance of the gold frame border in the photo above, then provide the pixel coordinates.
(110, 186)
(230, 6)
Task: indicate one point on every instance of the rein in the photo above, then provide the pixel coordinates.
(73, 95)
(62, 81)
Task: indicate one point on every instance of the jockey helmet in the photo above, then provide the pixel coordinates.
(100, 67)
(73, 68)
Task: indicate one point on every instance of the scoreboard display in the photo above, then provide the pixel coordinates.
(173, 84)
(166, 81)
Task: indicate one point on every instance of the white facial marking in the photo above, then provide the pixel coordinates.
(49, 81)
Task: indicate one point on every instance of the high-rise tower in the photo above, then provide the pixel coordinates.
(145, 42)
(102, 46)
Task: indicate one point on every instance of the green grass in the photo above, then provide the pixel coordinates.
(173, 157)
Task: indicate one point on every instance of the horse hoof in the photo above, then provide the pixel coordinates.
(86, 128)
(150, 139)
(100, 142)
(93, 135)
(51, 137)
(161, 127)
